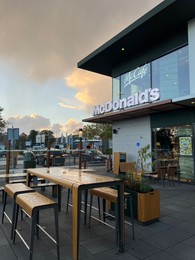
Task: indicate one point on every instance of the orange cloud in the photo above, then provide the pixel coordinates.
(92, 88)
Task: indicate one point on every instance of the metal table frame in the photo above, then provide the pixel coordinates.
(77, 180)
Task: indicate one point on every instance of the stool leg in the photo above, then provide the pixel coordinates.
(37, 223)
(59, 189)
(32, 233)
(99, 208)
(57, 231)
(3, 193)
(104, 209)
(132, 216)
(15, 223)
(54, 191)
(4, 205)
(116, 223)
(90, 208)
(13, 218)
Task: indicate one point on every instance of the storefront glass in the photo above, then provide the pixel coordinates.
(135, 81)
(173, 145)
(169, 74)
(116, 89)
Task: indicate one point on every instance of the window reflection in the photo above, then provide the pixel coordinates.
(169, 73)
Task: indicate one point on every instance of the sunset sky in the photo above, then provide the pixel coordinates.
(41, 42)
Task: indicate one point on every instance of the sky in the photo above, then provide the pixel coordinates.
(41, 42)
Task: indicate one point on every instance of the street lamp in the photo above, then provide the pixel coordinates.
(80, 147)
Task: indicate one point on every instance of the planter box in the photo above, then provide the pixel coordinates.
(146, 206)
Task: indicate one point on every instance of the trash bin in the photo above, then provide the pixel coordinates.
(29, 160)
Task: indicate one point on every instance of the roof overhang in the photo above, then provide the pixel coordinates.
(138, 111)
(168, 18)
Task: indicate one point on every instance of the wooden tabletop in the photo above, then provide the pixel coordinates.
(66, 177)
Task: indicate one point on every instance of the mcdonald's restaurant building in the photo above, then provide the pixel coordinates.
(152, 66)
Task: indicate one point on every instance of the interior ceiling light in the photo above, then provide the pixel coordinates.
(122, 49)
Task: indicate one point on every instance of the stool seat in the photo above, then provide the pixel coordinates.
(12, 190)
(16, 188)
(31, 201)
(111, 195)
(107, 193)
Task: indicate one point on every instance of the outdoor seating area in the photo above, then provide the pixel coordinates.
(174, 229)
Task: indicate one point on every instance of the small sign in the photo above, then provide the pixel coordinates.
(13, 133)
(138, 144)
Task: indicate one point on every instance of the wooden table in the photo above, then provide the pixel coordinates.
(77, 181)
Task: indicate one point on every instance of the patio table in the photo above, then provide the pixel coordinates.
(77, 181)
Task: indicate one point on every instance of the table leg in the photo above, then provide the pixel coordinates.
(85, 207)
(76, 202)
(121, 234)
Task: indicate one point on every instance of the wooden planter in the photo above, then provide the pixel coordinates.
(146, 206)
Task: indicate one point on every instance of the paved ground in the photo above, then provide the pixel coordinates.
(171, 238)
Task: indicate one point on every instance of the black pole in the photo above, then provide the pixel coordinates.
(80, 153)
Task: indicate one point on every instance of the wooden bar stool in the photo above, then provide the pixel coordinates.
(31, 204)
(12, 190)
(109, 194)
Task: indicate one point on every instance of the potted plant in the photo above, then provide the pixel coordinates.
(146, 200)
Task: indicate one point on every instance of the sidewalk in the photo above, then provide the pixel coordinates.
(171, 238)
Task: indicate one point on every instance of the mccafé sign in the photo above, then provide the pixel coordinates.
(147, 96)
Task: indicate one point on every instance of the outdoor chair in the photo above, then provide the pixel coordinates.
(32, 204)
(163, 174)
(111, 195)
(12, 190)
(172, 173)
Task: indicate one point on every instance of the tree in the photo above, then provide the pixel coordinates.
(2, 122)
(32, 137)
(22, 141)
(101, 131)
(49, 136)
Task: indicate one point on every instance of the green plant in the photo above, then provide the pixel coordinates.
(135, 180)
(144, 154)
(136, 183)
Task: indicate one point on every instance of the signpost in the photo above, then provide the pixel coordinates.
(12, 135)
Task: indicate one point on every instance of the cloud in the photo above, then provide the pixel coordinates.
(70, 127)
(69, 106)
(38, 123)
(28, 123)
(92, 88)
(47, 38)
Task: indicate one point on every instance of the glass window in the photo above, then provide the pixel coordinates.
(170, 74)
(116, 95)
(183, 72)
(135, 81)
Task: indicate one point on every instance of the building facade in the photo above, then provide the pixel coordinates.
(152, 67)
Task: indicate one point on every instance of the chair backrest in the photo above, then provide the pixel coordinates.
(172, 170)
(163, 171)
(127, 167)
